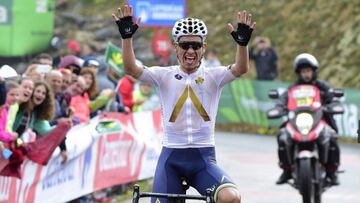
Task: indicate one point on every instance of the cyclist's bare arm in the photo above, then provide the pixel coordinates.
(241, 65)
(130, 66)
(128, 54)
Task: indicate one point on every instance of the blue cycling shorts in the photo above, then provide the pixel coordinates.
(195, 165)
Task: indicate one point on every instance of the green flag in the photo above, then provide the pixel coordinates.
(113, 57)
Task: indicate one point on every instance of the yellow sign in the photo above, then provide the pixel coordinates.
(304, 101)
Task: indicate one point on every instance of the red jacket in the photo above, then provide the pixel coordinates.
(80, 107)
(126, 88)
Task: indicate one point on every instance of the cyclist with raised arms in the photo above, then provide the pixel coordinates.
(189, 95)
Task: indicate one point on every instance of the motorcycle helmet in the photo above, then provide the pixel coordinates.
(188, 27)
(306, 60)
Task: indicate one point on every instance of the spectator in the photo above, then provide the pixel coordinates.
(44, 58)
(81, 104)
(12, 95)
(26, 91)
(9, 73)
(90, 78)
(40, 110)
(115, 104)
(88, 51)
(37, 71)
(265, 58)
(97, 101)
(55, 80)
(64, 112)
(103, 81)
(144, 95)
(91, 62)
(73, 47)
(67, 78)
(72, 63)
(76, 88)
(126, 88)
(211, 59)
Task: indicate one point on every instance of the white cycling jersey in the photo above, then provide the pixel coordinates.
(189, 103)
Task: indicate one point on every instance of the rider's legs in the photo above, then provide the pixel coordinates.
(198, 167)
(167, 178)
(327, 142)
(285, 145)
(334, 161)
(229, 195)
(211, 176)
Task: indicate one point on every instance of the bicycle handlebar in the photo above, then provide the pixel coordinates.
(137, 195)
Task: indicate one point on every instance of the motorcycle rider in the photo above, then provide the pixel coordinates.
(306, 68)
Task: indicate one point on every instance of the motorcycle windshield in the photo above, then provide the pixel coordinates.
(304, 96)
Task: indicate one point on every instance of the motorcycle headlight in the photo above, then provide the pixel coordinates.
(304, 122)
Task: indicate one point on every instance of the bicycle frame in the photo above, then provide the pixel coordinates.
(174, 197)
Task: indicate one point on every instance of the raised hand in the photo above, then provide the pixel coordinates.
(124, 20)
(244, 29)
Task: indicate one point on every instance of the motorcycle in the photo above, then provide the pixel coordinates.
(305, 123)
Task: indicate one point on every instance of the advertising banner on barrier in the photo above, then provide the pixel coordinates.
(246, 101)
(107, 151)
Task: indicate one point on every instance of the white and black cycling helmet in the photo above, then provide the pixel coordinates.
(189, 27)
(305, 60)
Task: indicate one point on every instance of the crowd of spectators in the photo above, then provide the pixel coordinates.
(70, 88)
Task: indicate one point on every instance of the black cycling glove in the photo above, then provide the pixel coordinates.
(126, 27)
(242, 35)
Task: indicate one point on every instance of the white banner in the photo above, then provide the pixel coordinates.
(109, 150)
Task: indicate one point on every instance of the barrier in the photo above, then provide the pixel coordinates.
(109, 150)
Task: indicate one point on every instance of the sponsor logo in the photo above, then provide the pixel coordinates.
(199, 80)
(240, 38)
(178, 77)
(113, 154)
(58, 174)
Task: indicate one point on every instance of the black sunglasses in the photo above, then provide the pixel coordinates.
(193, 45)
